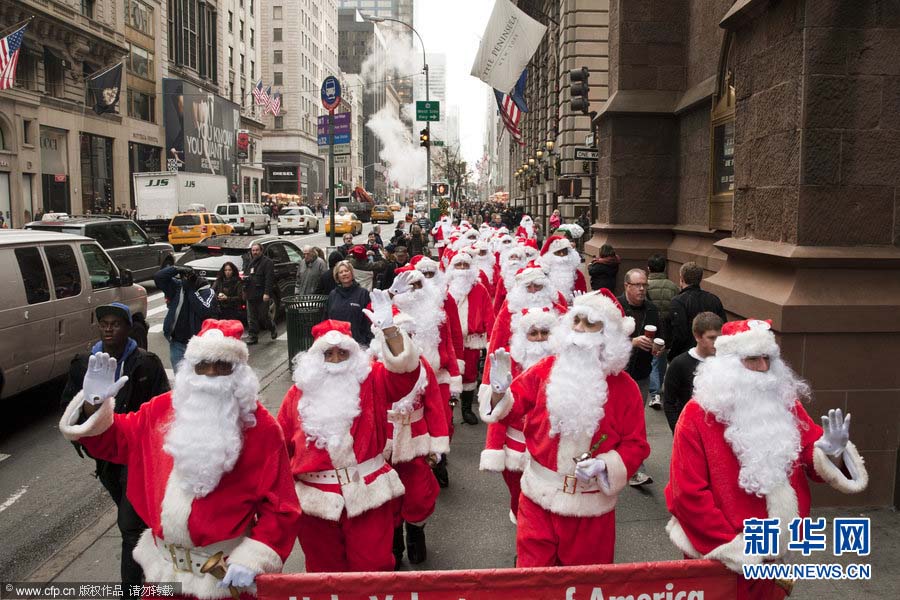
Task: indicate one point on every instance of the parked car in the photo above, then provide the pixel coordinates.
(292, 219)
(51, 284)
(245, 217)
(208, 256)
(381, 213)
(344, 223)
(192, 227)
(124, 241)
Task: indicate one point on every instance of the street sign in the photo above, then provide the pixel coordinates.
(428, 110)
(331, 93)
(342, 160)
(338, 149)
(583, 153)
(339, 138)
(341, 124)
(437, 143)
(589, 139)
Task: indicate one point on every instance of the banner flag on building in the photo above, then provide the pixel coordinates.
(9, 56)
(260, 95)
(106, 85)
(510, 115)
(509, 41)
(275, 105)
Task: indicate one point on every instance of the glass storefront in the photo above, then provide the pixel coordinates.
(54, 170)
(97, 174)
(142, 158)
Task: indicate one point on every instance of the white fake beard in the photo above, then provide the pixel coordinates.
(428, 316)
(560, 272)
(486, 265)
(508, 271)
(527, 353)
(205, 436)
(461, 282)
(330, 400)
(757, 410)
(573, 407)
(519, 298)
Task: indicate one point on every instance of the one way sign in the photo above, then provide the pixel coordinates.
(585, 153)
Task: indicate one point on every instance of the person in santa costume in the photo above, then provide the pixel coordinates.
(207, 467)
(504, 447)
(561, 261)
(441, 233)
(486, 264)
(584, 433)
(526, 228)
(511, 260)
(743, 449)
(476, 317)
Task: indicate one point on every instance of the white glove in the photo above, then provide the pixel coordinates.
(835, 434)
(381, 315)
(238, 576)
(501, 371)
(590, 468)
(100, 380)
(402, 284)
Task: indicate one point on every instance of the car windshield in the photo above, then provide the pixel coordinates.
(185, 220)
(380, 207)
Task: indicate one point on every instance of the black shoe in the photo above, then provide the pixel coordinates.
(416, 551)
(252, 341)
(399, 546)
(274, 333)
(468, 416)
(441, 473)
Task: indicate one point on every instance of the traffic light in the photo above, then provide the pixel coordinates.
(579, 88)
(424, 141)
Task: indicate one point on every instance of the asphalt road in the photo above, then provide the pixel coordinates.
(47, 493)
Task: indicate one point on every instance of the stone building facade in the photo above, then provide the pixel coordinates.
(759, 139)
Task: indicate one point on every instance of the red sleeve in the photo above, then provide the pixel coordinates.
(435, 410)
(452, 312)
(632, 446)
(487, 312)
(499, 295)
(688, 494)
(287, 417)
(525, 389)
(393, 386)
(810, 432)
(447, 349)
(500, 334)
(115, 444)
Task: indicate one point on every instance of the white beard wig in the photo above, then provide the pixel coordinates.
(510, 263)
(561, 272)
(486, 265)
(461, 282)
(437, 285)
(575, 408)
(520, 298)
(757, 411)
(205, 436)
(424, 317)
(330, 400)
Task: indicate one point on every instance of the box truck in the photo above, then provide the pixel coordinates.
(160, 196)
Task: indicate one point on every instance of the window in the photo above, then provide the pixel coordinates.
(135, 234)
(34, 277)
(100, 269)
(279, 122)
(721, 193)
(53, 74)
(26, 132)
(140, 62)
(252, 69)
(241, 31)
(276, 13)
(192, 36)
(252, 38)
(277, 254)
(277, 78)
(276, 34)
(139, 16)
(277, 56)
(97, 173)
(87, 8)
(251, 7)
(142, 106)
(64, 270)
(26, 71)
(241, 65)
(292, 253)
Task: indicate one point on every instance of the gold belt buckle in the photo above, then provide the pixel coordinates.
(569, 480)
(346, 475)
(187, 556)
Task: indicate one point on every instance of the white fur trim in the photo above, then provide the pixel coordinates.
(469, 387)
(96, 424)
(440, 444)
(462, 308)
(597, 307)
(557, 245)
(456, 384)
(512, 518)
(211, 347)
(334, 338)
(175, 512)
(552, 498)
(257, 556)
(406, 361)
(484, 405)
(476, 341)
(615, 471)
(407, 447)
(752, 342)
(833, 476)
(329, 505)
(531, 275)
(492, 460)
(461, 364)
(156, 568)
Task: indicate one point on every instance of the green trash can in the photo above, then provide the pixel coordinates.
(303, 313)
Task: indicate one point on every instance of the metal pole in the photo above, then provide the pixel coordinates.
(593, 171)
(428, 145)
(331, 201)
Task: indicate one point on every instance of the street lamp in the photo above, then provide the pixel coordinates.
(427, 123)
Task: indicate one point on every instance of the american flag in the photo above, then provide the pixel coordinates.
(510, 115)
(275, 105)
(9, 57)
(261, 96)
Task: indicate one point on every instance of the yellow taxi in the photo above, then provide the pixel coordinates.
(344, 222)
(192, 227)
(394, 206)
(382, 214)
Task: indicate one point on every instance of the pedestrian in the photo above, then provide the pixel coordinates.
(327, 281)
(661, 292)
(372, 244)
(335, 427)
(376, 231)
(399, 258)
(344, 249)
(400, 234)
(364, 266)
(555, 221)
(417, 241)
(146, 379)
(229, 289)
(561, 263)
(347, 301)
(259, 281)
(309, 272)
(604, 269)
(743, 449)
(539, 235)
(207, 466)
(190, 301)
(689, 303)
(678, 386)
(584, 432)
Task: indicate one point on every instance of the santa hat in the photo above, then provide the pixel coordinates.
(526, 220)
(218, 340)
(603, 306)
(545, 317)
(531, 251)
(555, 243)
(416, 275)
(481, 245)
(530, 242)
(573, 230)
(531, 273)
(331, 332)
(750, 337)
(462, 256)
(424, 264)
(359, 252)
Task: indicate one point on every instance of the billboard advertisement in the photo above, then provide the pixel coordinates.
(201, 130)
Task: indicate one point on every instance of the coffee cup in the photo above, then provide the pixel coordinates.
(659, 344)
(650, 331)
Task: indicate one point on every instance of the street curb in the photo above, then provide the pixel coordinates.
(66, 555)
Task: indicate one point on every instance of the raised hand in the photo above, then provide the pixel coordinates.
(402, 284)
(501, 371)
(835, 434)
(100, 380)
(381, 315)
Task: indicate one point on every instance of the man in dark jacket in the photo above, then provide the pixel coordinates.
(146, 379)
(190, 301)
(636, 305)
(259, 275)
(688, 304)
(679, 384)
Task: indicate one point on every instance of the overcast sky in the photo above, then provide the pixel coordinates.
(454, 27)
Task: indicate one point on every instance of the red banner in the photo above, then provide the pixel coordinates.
(673, 580)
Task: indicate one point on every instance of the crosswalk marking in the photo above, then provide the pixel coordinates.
(155, 296)
(156, 328)
(157, 310)
(4, 457)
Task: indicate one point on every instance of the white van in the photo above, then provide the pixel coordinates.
(50, 284)
(245, 217)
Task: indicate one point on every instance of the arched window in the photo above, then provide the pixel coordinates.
(721, 189)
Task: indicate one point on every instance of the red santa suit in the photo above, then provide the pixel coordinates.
(344, 484)
(563, 270)
(522, 299)
(509, 263)
(706, 493)
(441, 233)
(562, 520)
(476, 317)
(526, 228)
(252, 512)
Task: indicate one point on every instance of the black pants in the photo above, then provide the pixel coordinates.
(258, 316)
(114, 479)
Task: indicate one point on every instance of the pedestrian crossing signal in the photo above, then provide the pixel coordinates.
(439, 189)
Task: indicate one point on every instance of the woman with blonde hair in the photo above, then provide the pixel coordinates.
(347, 301)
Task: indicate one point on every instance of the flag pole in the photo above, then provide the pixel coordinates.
(16, 27)
(100, 72)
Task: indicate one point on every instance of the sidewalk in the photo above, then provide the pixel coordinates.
(478, 502)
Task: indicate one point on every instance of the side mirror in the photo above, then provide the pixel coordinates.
(126, 279)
